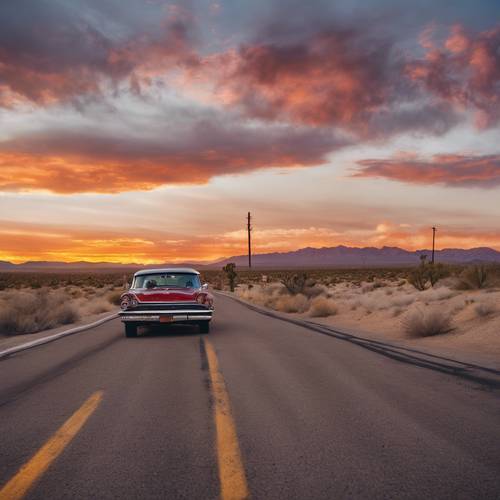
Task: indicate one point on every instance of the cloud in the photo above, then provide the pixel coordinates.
(463, 70)
(419, 237)
(314, 69)
(82, 161)
(336, 77)
(453, 170)
(49, 54)
(39, 241)
(349, 78)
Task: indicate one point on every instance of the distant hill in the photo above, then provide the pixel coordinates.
(360, 257)
(339, 256)
(83, 266)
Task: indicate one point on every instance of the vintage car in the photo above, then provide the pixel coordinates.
(159, 296)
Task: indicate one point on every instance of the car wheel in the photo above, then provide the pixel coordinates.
(130, 330)
(204, 326)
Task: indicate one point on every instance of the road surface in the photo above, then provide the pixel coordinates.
(259, 407)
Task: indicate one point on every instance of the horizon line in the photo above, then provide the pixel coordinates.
(220, 259)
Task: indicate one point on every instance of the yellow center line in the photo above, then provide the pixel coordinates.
(19, 485)
(232, 478)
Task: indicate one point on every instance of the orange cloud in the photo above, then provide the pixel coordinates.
(65, 162)
(449, 170)
(334, 77)
(464, 70)
(418, 238)
(22, 242)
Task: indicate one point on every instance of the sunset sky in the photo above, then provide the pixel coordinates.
(144, 130)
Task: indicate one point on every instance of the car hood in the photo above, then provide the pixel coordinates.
(166, 295)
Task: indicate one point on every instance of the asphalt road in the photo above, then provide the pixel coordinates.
(314, 416)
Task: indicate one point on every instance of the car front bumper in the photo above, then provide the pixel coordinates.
(166, 316)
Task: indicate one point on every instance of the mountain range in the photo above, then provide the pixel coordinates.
(362, 257)
(339, 256)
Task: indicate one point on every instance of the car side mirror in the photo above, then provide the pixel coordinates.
(204, 286)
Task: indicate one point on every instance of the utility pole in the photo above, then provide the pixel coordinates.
(433, 242)
(249, 229)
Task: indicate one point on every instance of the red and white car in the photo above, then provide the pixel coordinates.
(173, 295)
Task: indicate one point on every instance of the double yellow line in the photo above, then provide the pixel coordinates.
(232, 478)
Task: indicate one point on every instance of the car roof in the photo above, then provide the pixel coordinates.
(184, 270)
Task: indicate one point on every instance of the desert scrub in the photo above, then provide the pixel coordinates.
(322, 307)
(34, 311)
(426, 323)
(474, 277)
(292, 303)
(114, 297)
(484, 309)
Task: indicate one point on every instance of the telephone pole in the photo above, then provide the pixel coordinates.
(249, 229)
(433, 242)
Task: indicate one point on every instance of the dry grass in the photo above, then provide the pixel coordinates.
(292, 303)
(426, 323)
(114, 297)
(29, 310)
(34, 311)
(484, 309)
(322, 307)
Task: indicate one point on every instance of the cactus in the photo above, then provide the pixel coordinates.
(230, 270)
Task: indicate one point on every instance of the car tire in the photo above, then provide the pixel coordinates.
(130, 330)
(204, 326)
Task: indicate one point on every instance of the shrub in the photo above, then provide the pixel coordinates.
(292, 303)
(419, 278)
(30, 312)
(483, 309)
(436, 272)
(427, 323)
(474, 277)
(314, 291)
(295, 283)
(115, 298)
(322, 307)
(427, 273)
(98, 307)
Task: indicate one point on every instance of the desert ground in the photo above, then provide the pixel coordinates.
(455, 313)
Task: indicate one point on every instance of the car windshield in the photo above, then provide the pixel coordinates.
(160, 280)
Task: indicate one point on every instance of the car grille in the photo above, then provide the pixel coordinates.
(170, 307)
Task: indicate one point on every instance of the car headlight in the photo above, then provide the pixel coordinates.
(201, 299)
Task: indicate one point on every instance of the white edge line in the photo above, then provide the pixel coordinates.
(51, 338)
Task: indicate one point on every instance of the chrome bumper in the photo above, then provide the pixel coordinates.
(169, 316)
